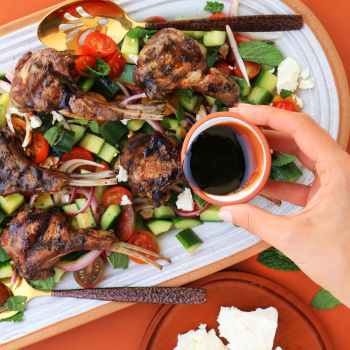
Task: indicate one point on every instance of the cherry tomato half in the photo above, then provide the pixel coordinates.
(146, 240)
(105, 166)
(286, 105)
(19, 123)
(114, 196)
(116, 64)
(225, 68)
(89, 60)
(217, 15)
(252, 68)
(132, 87)
(240, 38)
(91, 275)
(125, 224)
(278, 98)
(157, 18)
(100, 45)
(41, 147)
(79, 153)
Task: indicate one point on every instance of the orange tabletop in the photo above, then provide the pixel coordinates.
(125, 329)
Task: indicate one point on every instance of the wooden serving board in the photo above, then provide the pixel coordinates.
(298, 327)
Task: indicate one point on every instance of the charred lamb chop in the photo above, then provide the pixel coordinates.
(171, 61)
(19, 175)
(153, 162)
(36, 239)
(43, 82)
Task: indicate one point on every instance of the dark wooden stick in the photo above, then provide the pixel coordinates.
(269, 23)
(149, 295)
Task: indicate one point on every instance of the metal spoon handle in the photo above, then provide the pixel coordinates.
(263, 23)
(149, 295)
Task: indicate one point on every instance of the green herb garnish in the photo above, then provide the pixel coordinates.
(214, 7)
(140, 33)
(274, 259)
(118, 261)
(285, 93)
(101, 67)
(324, 300)
(180, 112)
(46, 284)
(185, 94)
(282, 159)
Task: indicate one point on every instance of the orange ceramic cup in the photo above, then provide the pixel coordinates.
(257, 158)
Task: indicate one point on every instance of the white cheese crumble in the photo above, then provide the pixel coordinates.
(298, 100)
(185, 200)
(306, 84)
(125, 200)
(230, 67)
(28, 136)
(253, 330)
(122, 175)
(304, 74)
(199, 340)
(14, 110)
(115, 154)
(272, 70)
(287, 73)
(202, 112)
(278, 348)
(57, 116)
(134, 58)
(35, 121)
(9, 122)
(124, 121)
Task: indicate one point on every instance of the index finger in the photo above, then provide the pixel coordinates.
(311, 138)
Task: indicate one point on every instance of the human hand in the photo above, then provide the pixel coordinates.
(317, 238)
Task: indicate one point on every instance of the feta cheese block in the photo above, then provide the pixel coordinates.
(122, 175)
(253, 330)
(199, 340)
(288, 74)
(185, 200)
(306, 84)
(125, 200)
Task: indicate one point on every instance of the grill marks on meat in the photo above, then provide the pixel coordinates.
(171, 61)
(19, 175)
(153, 162)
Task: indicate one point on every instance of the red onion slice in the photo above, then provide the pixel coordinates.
(155, 125)
(13, 278)
(5, 86)
(73, 195)
(190, 214)
(32, 200)
(85, 74)
(94, 205)
(80, 263)
(72, 164)
(134, 97)
(8, 75)
(233, 8)
(86, 206)
(213, 109)
(124, 89)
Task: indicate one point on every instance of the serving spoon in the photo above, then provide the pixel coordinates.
(149, 295)
(66, 27)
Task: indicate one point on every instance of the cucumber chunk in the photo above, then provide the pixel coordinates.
(211, 100)
(169, 123)
(112, 131)
(81, 202)
(244, 100)
(66, 143)
(6, 269)
(193, 106)
(44, 202)
(164, 212)
(288, 172)
(11, 203)
(85, 220)
(92, 143)
(128, 74)
(105, 86)
(214, 38)
(181, 132)
(159, 226)
(195, 34)
(4, 99)
(130, 49)
(266, 67)
(266, 80)
(245, 89)
(79, 132)
(2, 217)
(211, 214)
(140, 224)
(259, 96)
(109, 216)
(200, 201)
(183, 223)
(70, 208)
(134, 125)
(189, 239)
(107, 152)
(58, 274)
(99, 192)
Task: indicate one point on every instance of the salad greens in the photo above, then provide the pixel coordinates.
(101, 67)
(15, 318)
(282, 159)
(285, 93)
(324, 300)
(46, 284)
(118, 261)
(15, 303)
(3, 255)
(140, 33)
(185, 94)
(214, 7)
(180, 113)
(274, 259)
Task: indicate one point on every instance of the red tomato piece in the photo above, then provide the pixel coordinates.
(114, 196)
(195, 208)
(91, 275)
(104, 256)
(116, 63)
(105, 166)
(225, 68)
(132, 87)
(240, 38)
(157, 18)
(286, 105)
(100, 45)
(75, 74)
(18, 123)
(253, 69)
(79, 153)
(146, 240)
(125, 224)
(89, 60)
(41, 147)
(217, 15)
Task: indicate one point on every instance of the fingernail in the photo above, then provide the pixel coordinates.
(233, 109)
(225, 215)
(244, 104)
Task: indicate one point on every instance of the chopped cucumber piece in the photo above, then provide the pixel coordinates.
(107, 152)
(112, 131)
(211, 100)
(92, 143)
(266, 80)
(181, 132)
(105, 86)
(245, 89)
(4, 99)
(183, 223)
(128, 74)
(86, 84)
(288, 172)
(200, 201)
(44, 202)
(79, 132)
(189, 33)
(123, 140)
(164, 212)
(58, 274)
(193, 106)
(140, 224)
(189, 239)
(70, 208)
(6, 269)
(266, 67)
(195, 34)
(259, 96)
(66, 143)
(214, 38)
(146, 128)
(134, 125)
(3, 77)
(81, 202)
(169, 123)
(85, 220)
(130, 49)
(109, 216)
(11, 203)
(211, 214)
(2, 217)
(244, 100)
(159, 226)
(99, 192)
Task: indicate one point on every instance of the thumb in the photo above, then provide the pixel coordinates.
(260, 222)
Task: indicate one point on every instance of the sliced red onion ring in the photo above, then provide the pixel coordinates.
(32, 200)
(80, 263)
(213, 109)
(190, 214)
(8, 75)
(233, 8)
(188, 114)
(85, 74)
(94, 205)
(124, 89)
(13, 278)
(72, 164)
(73, 195)
(260, 36)
(177, 189)
(86, 206)
(5, 86)
(155, 125)
(134, 97)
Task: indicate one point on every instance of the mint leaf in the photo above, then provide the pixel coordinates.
(324, 300)
(15, 303)
(180, 112)
(289, 172)
(152, 20)
(15, 318)
(274, 259)
(101, 67)
(185, 94)
(285, 93)
(46, 284)
(92, 124)
(211, 59)
(118, 261)
(221, 107)
(52, 134)
(214, 7)
(260, 52)
(282, 159)
(140, 33)
(3, 255)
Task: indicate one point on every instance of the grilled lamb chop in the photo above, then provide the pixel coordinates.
(171, 61)
(153, 162)
(19, 175)
(43, 82)
(36, 239)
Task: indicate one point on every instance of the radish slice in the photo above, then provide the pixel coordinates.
(8, 75)
(86, 206)
(134, 97)
(260, 36)
(81, 263)
(233, 8)
(155, 125)
(192, 213)
(236, 53)
(5, 86)
(124, 89)
(68, 166)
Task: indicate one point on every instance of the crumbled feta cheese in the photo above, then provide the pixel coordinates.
(185, 200)
(134, 58)
(65, 199)
(35, 121)
(201, 113)
(130, 134)
(200, 340)
(304, 74)
(298, 100)
(57, 116)
(124, 121)
(14, 110)
(306, 84)
(122, 175)
(253, 330)
(9, 122)
(115, 154)
(125, 200)
(278, 348)
(230, 67)
(27, 138)
(272, 70)
(287, 73)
